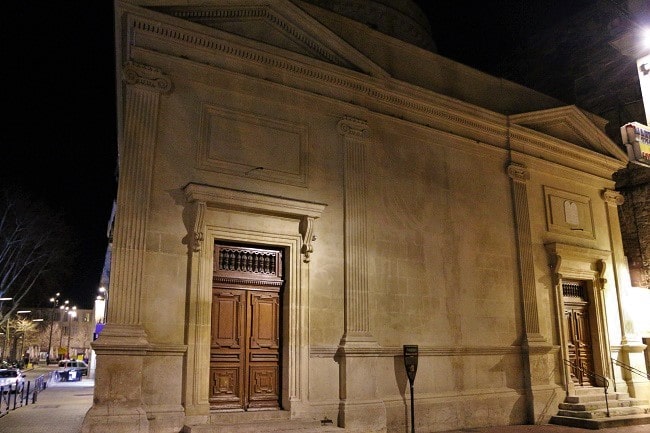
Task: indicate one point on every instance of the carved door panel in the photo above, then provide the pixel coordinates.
(263, 350)
(228, 349)
(245, 349)
(245, 336)
(580, 343)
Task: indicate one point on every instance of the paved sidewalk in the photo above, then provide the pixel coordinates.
(549, 428)
(60, 408)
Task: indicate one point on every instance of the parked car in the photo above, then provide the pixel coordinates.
(72, 370)
(12, 380)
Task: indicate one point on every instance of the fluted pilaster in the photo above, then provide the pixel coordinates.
(123, 343)
(357, 323)
(613, 200)
(520, 175)
(360, 408)
(144, 86)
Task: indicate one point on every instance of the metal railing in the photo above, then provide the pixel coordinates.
(12, 398)
(628, 368)
(584, 372)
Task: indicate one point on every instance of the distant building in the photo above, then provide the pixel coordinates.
(66, 335)
(305, 188)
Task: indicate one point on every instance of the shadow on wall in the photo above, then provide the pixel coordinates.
(512, 369)
(402, 381)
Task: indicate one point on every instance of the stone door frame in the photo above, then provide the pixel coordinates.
(217, 214)
(569, 262)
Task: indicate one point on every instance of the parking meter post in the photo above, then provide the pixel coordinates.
(411, 365)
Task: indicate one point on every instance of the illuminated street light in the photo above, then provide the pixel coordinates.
(645, 37)
(71, 316)
(55, 302)
(104, 293)
(102, 307)
(64, 307)
(22, 337)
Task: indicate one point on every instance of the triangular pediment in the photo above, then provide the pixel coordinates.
(572, 125)
(280, 24)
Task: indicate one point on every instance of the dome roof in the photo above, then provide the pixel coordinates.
(401, 19)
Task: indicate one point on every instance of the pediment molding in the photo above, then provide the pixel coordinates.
(548, 148)
(280, 24)
(571, 125)
(198, 47)
(161, 35)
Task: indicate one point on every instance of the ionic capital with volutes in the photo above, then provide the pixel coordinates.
(143, 75)
(613, 198)
(518, 172)
(351, 127)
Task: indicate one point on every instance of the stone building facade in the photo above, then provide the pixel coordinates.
(301, 194)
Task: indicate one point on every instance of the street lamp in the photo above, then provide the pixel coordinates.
(65, 307)
(22, 341)
(71, 316)
(104, 294)
(55, 302)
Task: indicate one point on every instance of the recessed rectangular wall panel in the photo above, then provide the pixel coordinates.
(568, 213)
(252, 145)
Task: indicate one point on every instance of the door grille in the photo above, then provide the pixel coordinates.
(574, 290)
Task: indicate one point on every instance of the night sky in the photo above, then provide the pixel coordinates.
(58, 137)
(58, 132)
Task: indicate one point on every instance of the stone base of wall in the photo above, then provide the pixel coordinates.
(453, 412)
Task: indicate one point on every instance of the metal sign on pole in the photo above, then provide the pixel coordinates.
(411, 365)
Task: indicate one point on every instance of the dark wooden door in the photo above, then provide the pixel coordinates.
(245, 350)
(576, 316)
(245, 344)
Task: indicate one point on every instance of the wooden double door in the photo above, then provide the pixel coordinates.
(245, 350)
(578, 329)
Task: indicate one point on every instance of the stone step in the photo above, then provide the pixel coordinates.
(240, 416)
(602, 413)
(588, 390)
(264, 426)
(600, 423)
(596, 397)
(601, 404)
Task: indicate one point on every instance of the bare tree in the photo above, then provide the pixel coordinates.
(34, 247)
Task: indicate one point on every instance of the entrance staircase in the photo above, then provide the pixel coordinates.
(261, 422)
(588, 409)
